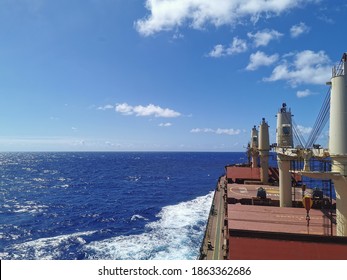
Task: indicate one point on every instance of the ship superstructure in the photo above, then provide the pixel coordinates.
(259, 208)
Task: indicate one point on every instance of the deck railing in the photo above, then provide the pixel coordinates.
(338, 70)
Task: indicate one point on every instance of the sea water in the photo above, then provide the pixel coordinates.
(122, 205)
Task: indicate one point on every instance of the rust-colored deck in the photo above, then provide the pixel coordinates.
(236, 173)
(278, 219)
(247, 194)
(242, 191)
(275, 233)
(259, 232)
(248, 248)
(244, 173)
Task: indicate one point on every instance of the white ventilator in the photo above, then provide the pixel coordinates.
(338, 141)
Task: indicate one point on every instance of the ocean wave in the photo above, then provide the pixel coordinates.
(31, 207)
(51, 248)
(138, 217)
(180, 228)
(134, 178)
(50, 195)
(176, 235)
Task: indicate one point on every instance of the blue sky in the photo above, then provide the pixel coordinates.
(161, 75)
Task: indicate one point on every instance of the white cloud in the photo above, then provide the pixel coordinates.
(177, 36)
(124, 109)
(304, 93)
(145, 111)
(170, 14)
(297, 30)
(260, 59)
(228, 131)
(307, 67)
(218, 51)
(165, 124)
(304, 130)
(326, 19)
(108, 143)
(155, 110)
(106, 107)
(236, 46)
(199, 130)
(263, 38)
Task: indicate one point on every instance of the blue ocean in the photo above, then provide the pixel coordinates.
(121, 205)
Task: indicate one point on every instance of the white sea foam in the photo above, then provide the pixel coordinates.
(28, 207)
(138, 217)
(28, 169)
(39, 180)
(45, 248)
(176, 235)
(134, 178)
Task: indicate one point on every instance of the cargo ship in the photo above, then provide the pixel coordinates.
(296, 209)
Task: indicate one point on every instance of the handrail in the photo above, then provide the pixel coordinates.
(208, 225)
(338, 70)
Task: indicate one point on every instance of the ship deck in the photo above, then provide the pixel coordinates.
(214, 241)
(247, 193)
(242, 226)
(278, 219)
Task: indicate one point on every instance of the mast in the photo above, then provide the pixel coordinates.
(284, 138)
(254, 147)
(264, 148)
